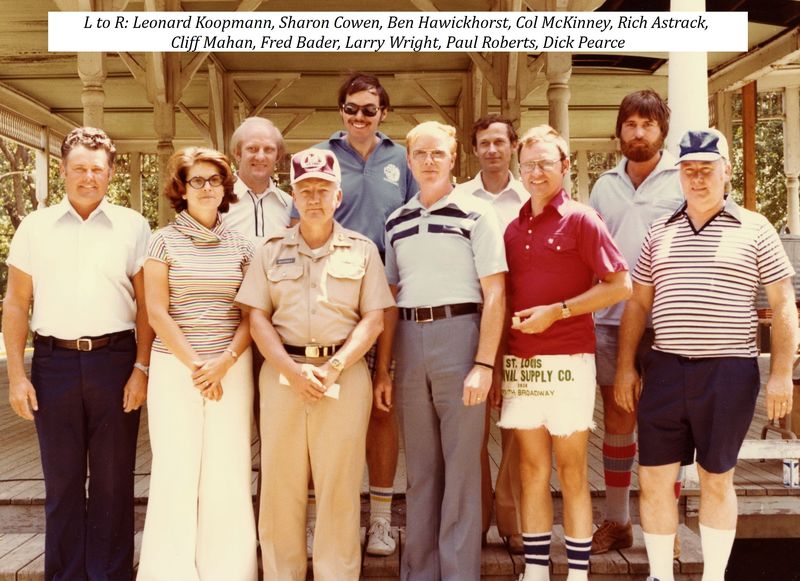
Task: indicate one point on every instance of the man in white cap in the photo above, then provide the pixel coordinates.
(698, 273)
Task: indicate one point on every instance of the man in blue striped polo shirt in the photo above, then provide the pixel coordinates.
(698, 273)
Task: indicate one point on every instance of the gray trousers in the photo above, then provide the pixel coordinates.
(442, 439)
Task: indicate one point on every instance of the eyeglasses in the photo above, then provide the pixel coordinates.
(422, 154)
(199, 183)
(542, 164)
(367, 110)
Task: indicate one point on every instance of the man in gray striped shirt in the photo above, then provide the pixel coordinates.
(698, 273)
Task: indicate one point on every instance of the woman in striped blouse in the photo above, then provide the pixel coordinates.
(200, 515)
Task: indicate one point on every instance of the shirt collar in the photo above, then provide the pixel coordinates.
(103, 211)
(190, 227)
(730, 207)
(557, 204)
(666, 163)
(241, 189)
(338, 237)
(341, 137)
(475, 186)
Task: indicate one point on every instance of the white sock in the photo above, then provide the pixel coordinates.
(717, 544)
(659, 554)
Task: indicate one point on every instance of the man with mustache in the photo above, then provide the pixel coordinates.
(643, 186)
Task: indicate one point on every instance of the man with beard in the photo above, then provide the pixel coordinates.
(643, 186)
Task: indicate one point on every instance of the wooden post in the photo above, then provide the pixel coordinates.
(583, 175)
(749, 98)
(791, 157)
(42, 166)
(135, 168)
(92, 71)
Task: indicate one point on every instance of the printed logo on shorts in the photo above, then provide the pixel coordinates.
(391, 173)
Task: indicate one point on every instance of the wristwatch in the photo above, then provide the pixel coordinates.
(565, 312)
(143, 368)
(336, 363)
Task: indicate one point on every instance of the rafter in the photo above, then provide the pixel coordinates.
(425, 5)
(489, 74)
(134, 67)
(428, 97)
(189, 69)
(279, 87)
(249, 5)
(199, 124)
(297, 120)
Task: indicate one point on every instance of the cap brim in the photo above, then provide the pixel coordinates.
(316, 174)
(699, 156)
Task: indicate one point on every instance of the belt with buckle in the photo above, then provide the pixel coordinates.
(312, 350)
(429, 314)
(83, 343)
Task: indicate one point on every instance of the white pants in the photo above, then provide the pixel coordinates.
(200, 524)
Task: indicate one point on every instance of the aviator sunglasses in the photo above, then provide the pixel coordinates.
(367, 110)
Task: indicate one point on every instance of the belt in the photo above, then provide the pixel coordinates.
(312, 350)
(83, 343)
(428, 314)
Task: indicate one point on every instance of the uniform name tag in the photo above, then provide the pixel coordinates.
(285, 261)
(534, 377)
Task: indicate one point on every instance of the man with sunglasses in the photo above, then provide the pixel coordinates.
(376, 181)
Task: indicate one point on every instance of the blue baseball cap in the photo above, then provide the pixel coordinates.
(703, 145)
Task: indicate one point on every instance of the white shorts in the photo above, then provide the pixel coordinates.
(552, 391)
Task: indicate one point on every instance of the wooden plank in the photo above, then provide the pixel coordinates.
(495, 558)
(10, 541)
(611, 562)
(558, 552)
(749, 104)
(18, 558)
(772, 449)
(636, 556)
(691, 559)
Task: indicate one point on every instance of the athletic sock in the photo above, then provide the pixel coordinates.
(619, 451)
(717, 545)
(578, 558)
(537, 556)
(659, 554)
(380, 503)
(311, 509)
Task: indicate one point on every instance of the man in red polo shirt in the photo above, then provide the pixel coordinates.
(556, 250)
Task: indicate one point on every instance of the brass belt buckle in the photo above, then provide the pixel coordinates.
(427, 319)
(84, 344)
(312, 350)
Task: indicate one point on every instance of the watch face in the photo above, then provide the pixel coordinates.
(336, 364)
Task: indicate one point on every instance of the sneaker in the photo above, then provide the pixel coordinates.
(652, 579)
(676, 548)
(310, 541)
(380, 541)
(611, 535)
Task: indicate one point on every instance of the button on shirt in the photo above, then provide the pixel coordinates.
(437, 255)
(554, 257)
(205, 272)
(372, 188)
(507, 203)
(706, 280)
(316, 296)
(258, 216)
(81, 269)
(628, 211)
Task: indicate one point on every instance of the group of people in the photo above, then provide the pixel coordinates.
(378, 295)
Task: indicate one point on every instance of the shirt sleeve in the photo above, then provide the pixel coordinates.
(392, 274)
(773, 263)
(248, 250)
(488, 249)
(157, 248)
(254, 291)
(375, 293)
(19, 254)
(597, 247)
(643, 273)
(141, 248)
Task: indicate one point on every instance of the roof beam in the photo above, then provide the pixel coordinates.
(189, 69)
(279, 87)
(298, 119)
(199, 124)
(425, 5)
(756, 63)
(34, 110)
(249, 5)
(430, 99)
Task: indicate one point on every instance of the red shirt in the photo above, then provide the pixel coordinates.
(554, 257)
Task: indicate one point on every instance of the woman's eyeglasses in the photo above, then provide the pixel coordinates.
(367, 110)
(199, 183)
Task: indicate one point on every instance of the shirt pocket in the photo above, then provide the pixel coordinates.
(344, 277)
(557, 252)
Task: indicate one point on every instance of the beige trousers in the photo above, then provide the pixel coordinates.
(326, 438)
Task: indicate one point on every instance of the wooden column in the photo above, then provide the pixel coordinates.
(583, 175)
(791, 156)
(135, 168)
(164, 116)
(749, 98)
(42, 165)
(92, 71)
(558, 69)
(687, 84)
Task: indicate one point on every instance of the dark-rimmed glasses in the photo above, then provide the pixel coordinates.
(199, 183)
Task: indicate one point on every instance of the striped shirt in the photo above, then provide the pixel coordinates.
(206, 268)
(706, 280)
(437, 255)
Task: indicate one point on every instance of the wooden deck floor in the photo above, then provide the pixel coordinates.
(22, 488)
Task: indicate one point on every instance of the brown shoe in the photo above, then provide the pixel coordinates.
(676, 548)
(611, 535)
(515, 544)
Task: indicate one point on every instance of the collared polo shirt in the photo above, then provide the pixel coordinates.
(706, 280)
(81, 269)
(258, 216)
(372, 188)
(316, 296)
(554, 257)
(507, 203)
(628, 212)
(437, 255)
(205, 271)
